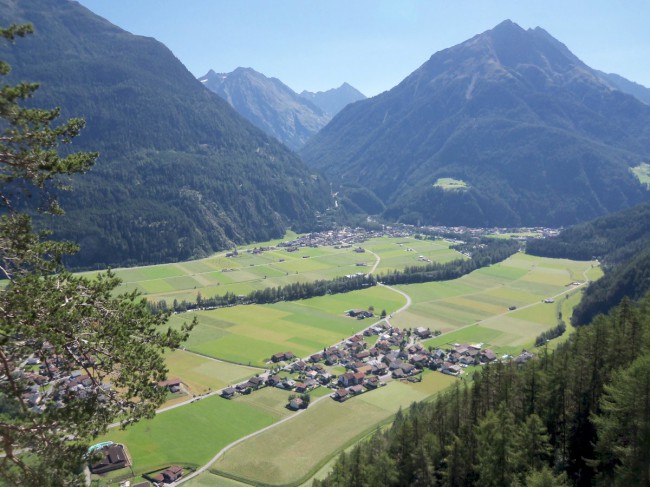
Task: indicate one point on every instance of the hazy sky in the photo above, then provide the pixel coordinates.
(373, 44)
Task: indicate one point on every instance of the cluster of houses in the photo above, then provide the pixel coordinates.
(48, 383)
(397, 354)
(343, 238)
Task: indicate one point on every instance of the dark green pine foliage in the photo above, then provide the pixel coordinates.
(578, 416)
(180, 174)
(64, 322)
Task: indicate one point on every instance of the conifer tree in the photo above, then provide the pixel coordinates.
(62, 322)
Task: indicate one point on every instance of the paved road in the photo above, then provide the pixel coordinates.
(288, 418)
(240, 440)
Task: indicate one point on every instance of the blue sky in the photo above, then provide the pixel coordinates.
(372, 44)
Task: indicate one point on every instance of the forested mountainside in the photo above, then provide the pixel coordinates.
(621, 241)
(268, 104)
(180, 174)
(577, 416)
(526, 133)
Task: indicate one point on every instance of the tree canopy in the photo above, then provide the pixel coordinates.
(75, 356)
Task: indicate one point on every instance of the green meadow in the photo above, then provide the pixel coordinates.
(252, 334)
(190, 435)
(475, 307)
(642, 172)
(451, 184)
(243, 273)
(293, 451)
(398, 253)
(202, 374)
(471, 309)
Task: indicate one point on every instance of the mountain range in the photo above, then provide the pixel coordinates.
(275, 108)
(334, 100)
(180, 174)
(508, 128)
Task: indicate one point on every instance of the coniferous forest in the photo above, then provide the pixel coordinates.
(577, 416)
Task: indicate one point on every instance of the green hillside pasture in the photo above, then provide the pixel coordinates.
(288, 452)
(202, 374)
(642, 172)
(190, 435)
(486, 294)
(394, 253)
(270, 399)
(251, 334)
(451, 184)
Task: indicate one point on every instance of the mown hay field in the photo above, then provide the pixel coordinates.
(289, 452)
(202, 374)
(241, 274)
(251, 334)
(475, 307)
(191, 435)
(398, 253)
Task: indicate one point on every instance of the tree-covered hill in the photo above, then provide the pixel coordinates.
(180, 173)
(536, 136)
(621, 241)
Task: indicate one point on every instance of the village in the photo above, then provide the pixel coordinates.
(396, 355)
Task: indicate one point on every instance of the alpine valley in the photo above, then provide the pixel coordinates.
(442, 285)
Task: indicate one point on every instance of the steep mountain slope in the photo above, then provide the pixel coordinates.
(627, 86)
(334, 100)
(269, 104)
(530, 134)
(180, 173)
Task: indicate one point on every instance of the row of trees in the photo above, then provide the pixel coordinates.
(484, 253)
(547, 335)
(578, 416)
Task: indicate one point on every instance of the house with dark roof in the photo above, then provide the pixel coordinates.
(109, 458)
(341, 394)
(228, 392)
(173, 473)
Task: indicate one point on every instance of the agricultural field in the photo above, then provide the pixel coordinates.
(246, 272)
(252, 334)
(243, 273)
(190, 435)
(475, 307)
(201, 375)
(294, 450)
(398, 253)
